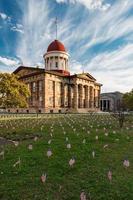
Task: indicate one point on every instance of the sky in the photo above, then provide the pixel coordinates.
(98, 35)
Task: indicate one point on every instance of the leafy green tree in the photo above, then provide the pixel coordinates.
(13, 92)
(128, 100)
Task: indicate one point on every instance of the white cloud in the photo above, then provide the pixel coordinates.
(11, 25)
(39, 64)
(75, 67)
(112, 68)
(17, 29)
(20, 26)
(3, 16)
(37, 30)
(96, 28)
(113, 60)
(9, 61)
(90, 4)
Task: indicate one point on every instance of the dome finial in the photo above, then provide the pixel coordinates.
(56, 24)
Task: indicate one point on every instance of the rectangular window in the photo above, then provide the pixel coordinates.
(56, 64)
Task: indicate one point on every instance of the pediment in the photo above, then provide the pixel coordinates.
(23, 71)
(86, 76)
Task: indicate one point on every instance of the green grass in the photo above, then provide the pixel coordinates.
(64, 182)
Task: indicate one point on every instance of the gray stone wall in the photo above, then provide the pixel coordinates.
(110, 101)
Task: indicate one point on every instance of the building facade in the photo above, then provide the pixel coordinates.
(110, 101)
(53, 89)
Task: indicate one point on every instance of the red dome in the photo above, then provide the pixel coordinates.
(56, 46)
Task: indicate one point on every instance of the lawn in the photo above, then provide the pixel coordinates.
(95, 143)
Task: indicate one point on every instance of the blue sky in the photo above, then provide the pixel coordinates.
(98, 35)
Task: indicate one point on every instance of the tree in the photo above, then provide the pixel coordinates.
(128, 100)
(119, 114)
(13, 92)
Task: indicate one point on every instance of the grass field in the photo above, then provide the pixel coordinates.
(97, 144)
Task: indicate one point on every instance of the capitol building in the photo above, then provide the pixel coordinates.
(54, 89)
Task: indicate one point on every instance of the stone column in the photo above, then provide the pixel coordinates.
(44, 92)
(48, 63)
(94, 97)
(53, 63)
(91, 97)
(109, 105)
(98, 99)
(81, 96)
(45, 63)
(102, 105)
(62, 95)
(67, 65)
(69, 96)
(86, 97)
(97, 104)
(58, 60)
(75, 96)
(37, 90)
(64, 66)
(54, 96)
(106, 105)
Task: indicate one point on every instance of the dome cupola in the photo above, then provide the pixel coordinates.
(56, 45)
(56, 58)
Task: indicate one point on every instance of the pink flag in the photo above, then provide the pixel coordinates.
(126, 163)
(82, 196)
(30, 147)
(43, 178)
(49, 153)
(71, 162)
(68, 146)
(110, 176)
